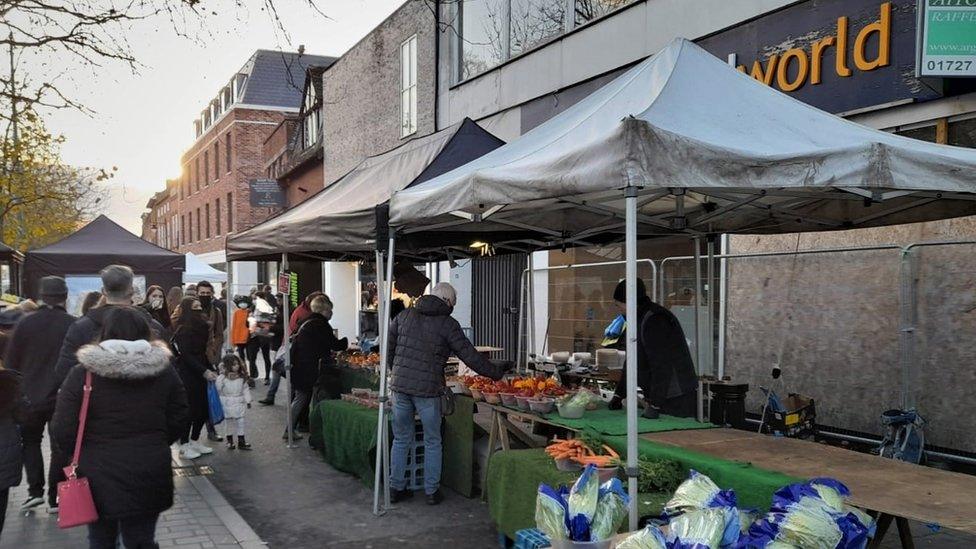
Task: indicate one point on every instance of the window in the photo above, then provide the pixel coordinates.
(206, 209)
(227, 152)
(480, 40)
(182, 230)
(217, 216)
(408, 87)
(923, 133)
(313, 118)
(533, 22)
(962, 133)
(189, 227)
(216, 160)
(197, 168)
(588, 10)
(230, 213)
(206, 168)
(199, 234)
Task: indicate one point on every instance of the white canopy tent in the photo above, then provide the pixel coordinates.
(197, 270)
(684, 144)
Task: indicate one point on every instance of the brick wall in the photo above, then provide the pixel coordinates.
(249, 130)
(362, 94)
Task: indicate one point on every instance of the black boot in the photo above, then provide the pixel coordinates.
(267, 401)
(396, 496)
(242, 444)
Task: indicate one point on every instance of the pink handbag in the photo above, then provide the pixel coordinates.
(75, 504)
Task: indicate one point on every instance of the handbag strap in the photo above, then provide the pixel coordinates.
(82, 419)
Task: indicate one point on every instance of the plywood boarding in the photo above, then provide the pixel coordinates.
(919, 493)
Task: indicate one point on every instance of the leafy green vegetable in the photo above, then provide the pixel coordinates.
(592, 438)
(659, 475)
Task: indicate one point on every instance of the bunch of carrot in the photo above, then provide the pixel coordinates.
(578, 451)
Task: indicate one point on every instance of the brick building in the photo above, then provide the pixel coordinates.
(158, 222)
(212, 196)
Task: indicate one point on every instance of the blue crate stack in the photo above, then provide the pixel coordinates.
(415, 460)
(531, 538)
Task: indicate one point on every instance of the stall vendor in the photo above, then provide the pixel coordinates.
(665, 372)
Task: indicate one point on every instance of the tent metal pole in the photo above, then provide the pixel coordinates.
(229, 306)
(521, 358)
(386, 367)
(697, 310)
(632, 321)
(384, 288)
(531, 302)
(291, 420)
(723, 277)
(710, 304)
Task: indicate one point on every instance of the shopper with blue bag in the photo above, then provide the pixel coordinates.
(191, 332)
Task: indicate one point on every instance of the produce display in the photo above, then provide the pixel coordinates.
(356, 359)
(658, 475)
(812, 514)
(521, 386)
(580, 452)
(364, 397)
(586, 512)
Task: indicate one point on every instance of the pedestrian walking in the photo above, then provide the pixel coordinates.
(190, 335)
(260, 325)
(91, 301)
(13, 413)
(312, 359)
(214, 315)
(155, 305)
(137, 408)
(173, 298)
(235, 398)
(239, 333)
(301, 312)
(33, 350)
(421, 340)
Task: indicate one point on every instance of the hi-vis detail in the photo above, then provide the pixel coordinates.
(798, 66)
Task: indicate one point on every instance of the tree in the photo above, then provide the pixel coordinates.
(90, 33)
(41, 198)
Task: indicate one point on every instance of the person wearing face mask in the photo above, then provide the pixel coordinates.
(191, 333)
(239, 333)
(155, 305)
(215, 318)
(312, 357)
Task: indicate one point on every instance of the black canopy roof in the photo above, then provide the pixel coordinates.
(97, 245)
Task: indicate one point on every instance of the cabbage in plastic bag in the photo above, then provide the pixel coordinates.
(695, 493)
(650, 537)
(611, 510)
(698, 529)
(582, 504)
(550, 513)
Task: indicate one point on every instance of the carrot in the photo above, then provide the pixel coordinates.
(610, 451)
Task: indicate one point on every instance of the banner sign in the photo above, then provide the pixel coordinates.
(293, 288)
(284, 282)
(266, 193)
(946, 38)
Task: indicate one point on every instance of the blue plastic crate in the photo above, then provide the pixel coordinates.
(531, 538)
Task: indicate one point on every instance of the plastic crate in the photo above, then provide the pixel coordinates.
(415, 460)
(531, 538)
(797, 421)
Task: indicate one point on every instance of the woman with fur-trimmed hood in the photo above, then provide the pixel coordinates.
(137, 410)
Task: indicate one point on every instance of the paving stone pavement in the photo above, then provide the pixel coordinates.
(200, 518)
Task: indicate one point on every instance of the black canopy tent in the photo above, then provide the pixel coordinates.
(13, 260)
(97, 245)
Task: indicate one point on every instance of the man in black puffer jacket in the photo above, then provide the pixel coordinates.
(421, 340)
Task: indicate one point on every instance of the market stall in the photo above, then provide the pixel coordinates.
(682, 144)
(197, 270)
(80, 256)
(10, 265)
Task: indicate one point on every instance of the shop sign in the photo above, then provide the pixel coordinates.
(266, 193)
(293, 288)
(947, 38)
(284, 282)
(837, 55)
(797, 66)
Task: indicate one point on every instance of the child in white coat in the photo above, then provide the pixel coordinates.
(235, 397)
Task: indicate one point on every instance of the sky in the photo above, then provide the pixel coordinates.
(143, 122)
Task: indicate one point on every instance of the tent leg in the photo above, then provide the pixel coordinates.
(229, 309)
(698, 338)
(381, 480)
(521, 359)
(632, 320)
(530, 298)
(291, 420)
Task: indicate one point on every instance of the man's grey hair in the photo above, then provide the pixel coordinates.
(446, 292)
(117, 283)
(320, 305)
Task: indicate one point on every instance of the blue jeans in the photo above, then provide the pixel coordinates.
(429, 410)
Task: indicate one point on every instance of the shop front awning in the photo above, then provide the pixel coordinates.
(709, 150)
(339, 222)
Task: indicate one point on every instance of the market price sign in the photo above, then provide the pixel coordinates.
(947, 38)
(284, 283)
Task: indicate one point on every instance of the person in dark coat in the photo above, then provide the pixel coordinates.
(665, 371)
(422, 338)
(13, 413)
(155, 305)
(191, 333)
(137, 408)
(117, 291)
(312, 360)
(33, 351)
